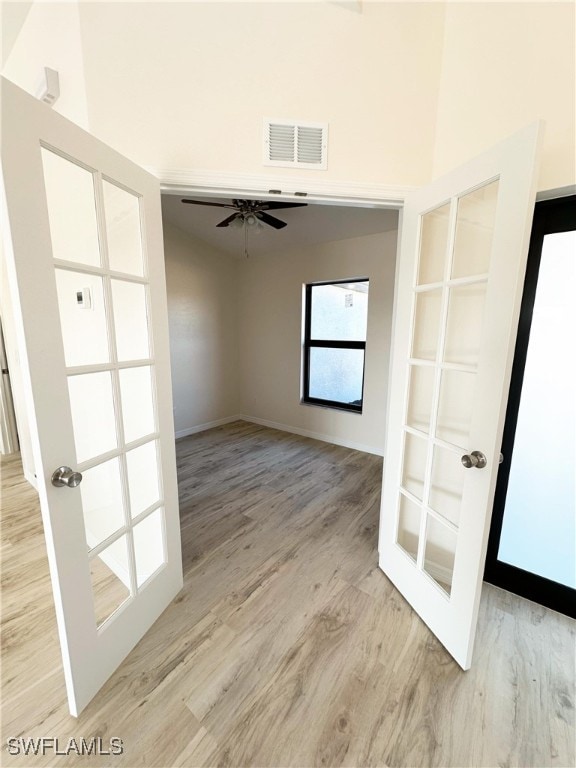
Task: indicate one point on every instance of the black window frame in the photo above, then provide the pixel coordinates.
(310, 343)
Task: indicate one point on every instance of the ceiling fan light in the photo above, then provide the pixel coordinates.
(250, 220)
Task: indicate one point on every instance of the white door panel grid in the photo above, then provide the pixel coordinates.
(464, 245)
(85, 262)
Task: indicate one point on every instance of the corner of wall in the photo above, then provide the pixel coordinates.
(50, 36)
(201, 284)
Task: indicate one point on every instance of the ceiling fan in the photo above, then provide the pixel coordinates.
(250, 212)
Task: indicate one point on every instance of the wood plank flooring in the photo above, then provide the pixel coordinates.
(287, 645)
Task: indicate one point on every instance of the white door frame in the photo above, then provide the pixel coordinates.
(215, 184)
(252, 186)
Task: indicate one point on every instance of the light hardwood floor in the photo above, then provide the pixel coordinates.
(287, 646)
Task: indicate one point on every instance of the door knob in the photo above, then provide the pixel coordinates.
(66, 476)
(474, 459)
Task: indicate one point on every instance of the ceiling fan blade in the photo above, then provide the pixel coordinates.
(229, 220)
(202, 202)
(271, 220)
(276, 206)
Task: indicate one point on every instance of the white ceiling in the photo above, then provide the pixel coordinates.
(317, 223)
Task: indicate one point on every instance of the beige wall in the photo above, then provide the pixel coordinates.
(202, 287)
(236, 334)
(504, 66)
(271, 333)
(206, 74)
(409, 89)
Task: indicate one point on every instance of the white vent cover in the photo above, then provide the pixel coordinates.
(292, 144)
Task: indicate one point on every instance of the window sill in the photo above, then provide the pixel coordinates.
(330, 407)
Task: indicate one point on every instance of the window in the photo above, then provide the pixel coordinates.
(335, 344)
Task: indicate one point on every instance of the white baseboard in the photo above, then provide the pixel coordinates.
(283, 428)
(208, 425)
(314, 435)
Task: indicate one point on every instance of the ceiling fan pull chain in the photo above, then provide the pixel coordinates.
(246, 241)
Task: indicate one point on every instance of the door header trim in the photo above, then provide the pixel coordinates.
(218, 184)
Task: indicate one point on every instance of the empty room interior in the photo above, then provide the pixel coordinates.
(286, 295)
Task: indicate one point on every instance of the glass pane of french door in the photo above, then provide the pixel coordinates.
(102, 284)
(447, 320)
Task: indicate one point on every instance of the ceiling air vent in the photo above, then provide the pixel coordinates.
(291, 144)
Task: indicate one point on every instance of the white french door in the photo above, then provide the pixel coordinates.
(458, 291)
(85, 260)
